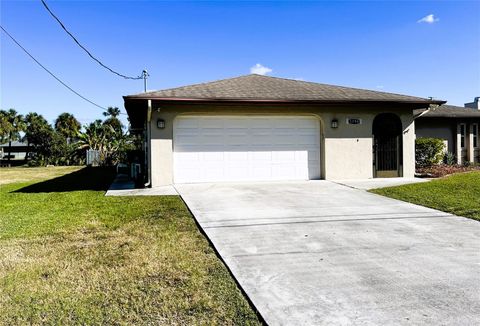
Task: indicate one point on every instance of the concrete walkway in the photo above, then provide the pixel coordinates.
(319, 253)
(124, 186)
(367, 184)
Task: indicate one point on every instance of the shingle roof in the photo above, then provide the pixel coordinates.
(264, 88)
(451, 111)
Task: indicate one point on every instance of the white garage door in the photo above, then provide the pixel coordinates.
(246, 148)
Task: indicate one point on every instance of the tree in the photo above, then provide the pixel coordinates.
(35, 125)
(50, 146)
(111, 144)
(4, 126)
(12, 124)
(67, 126)
(113, 120)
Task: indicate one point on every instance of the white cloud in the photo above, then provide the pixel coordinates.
(260, 69)
(429, 19)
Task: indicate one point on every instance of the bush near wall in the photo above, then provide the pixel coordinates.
(429, 151)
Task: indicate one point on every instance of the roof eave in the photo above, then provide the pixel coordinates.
(466, 116)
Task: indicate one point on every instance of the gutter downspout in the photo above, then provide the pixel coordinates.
(149, 144)
(431, 107)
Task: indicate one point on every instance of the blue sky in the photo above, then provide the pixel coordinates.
(379, 45)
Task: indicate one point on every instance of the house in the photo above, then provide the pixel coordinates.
(457, 126)
(260, 128)
(17, 151)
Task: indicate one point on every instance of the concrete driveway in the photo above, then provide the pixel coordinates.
(320, 253)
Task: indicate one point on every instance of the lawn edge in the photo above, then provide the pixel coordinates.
(372, 191)
(239, 286)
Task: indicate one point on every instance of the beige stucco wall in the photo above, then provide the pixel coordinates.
(349, 148)
(346, 152)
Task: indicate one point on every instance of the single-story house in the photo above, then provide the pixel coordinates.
(16, 150)
(261, 128)
(457, 126)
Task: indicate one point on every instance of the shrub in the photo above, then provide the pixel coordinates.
(428, 151)
(450, 159)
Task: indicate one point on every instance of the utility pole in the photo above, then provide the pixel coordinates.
(145, 77)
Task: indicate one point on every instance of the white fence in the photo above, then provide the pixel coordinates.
(93, 157)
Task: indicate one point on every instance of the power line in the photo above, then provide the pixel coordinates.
(88, 52)
(51, 73)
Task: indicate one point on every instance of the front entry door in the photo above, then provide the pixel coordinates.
(387, 146)
(386, 157)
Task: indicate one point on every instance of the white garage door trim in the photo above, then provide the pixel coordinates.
(245, 148)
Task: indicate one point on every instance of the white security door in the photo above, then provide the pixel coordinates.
(246, 148)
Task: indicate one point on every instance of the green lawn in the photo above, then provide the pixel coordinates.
(458, 194)
(69, 255)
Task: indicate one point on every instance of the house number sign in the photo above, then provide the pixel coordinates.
(354, 121)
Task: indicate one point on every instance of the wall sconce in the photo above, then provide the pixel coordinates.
(161, 124)
(334, 124)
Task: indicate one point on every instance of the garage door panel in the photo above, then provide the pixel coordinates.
(221, 148)
(259, 156)
(187, 157)
(236, 173)
(236, 156)
(211, 132)
(237, 141)
(213, 157)
(186, 139)
(210, 140)
(186, 123)
(259, 172)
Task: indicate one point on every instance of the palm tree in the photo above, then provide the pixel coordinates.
(103, 138)
(112, 114)
(67, 125)
(12, 124)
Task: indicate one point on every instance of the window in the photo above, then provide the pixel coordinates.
(475, 135)
(463, 134)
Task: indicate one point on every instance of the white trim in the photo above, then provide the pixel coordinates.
(463, 136)
(475, 136)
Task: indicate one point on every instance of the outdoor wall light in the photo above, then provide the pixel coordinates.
(334, 123)
(161, 124)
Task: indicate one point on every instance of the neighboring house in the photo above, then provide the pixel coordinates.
(259, 128)
(457, 126)
(18, 151)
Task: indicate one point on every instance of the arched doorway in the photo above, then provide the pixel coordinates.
(387, 146)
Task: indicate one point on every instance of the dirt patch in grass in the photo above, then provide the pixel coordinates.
(26, 174)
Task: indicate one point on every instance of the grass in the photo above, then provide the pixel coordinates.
(458, 194)
(21, 174)
(70, 255)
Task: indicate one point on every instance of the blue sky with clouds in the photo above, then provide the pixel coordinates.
(424, 48)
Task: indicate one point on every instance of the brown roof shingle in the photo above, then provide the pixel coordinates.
(265, 88)
(450, 111)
